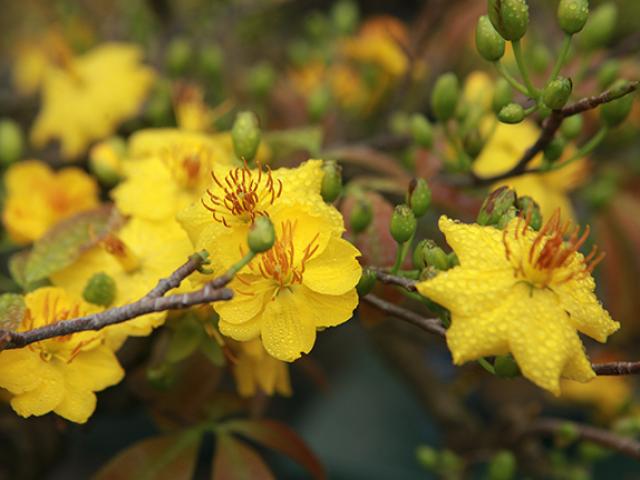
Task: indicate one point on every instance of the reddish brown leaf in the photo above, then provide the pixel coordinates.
(234, 460)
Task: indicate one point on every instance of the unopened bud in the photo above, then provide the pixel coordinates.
(246, 134)
(600, 27)
(262, 235)
(509, 17)
(453, 259)
(496, 205)
(608, 73)
(332, 181)
(489, 43)
(554, 150)
(367, 282)
(557, 93)
(530, 209)
(571, 126)
(178, 56)
(318, 102)
(428, 457)
(572, 15)
(502, 95)
(361, 215)
(444, 97)
(260, 79)
(419, 196)
(399, 123)
(403, 223)
(502, 466)
(511, 113)
(100, 290)
(473, 142)
(11, 142)
(211, 60)
(616, 111)
(428, 254)
(345, 16)
(506, 367)
(421, 130)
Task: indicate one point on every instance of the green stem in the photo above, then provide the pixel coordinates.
(531, 109)
(585, 150)
(486, 365)
(401, 254)
(564, 50)
(517, 51)
(241, 264)
(509, 78)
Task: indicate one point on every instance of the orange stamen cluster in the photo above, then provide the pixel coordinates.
(246, 194)
(187, 163)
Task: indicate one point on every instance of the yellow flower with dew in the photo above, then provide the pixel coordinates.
(59, 374)
(551, 190)
(38, 198)
(86, 98)
(135, 257)
(304, 283)
(220, 221)
(256, 371)
(523, 292)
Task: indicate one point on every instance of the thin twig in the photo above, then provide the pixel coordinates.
(390, 279)
(616, 368)
(431, 325)
(194, 262)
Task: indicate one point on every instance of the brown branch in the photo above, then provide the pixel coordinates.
(604, 438)
(431, 325)
(616, 368)
(389, 279)
(194, 262)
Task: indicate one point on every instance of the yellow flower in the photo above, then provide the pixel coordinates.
(90, 96)
(503, 150)
(478, 89)
(38, 198)
(304, 283)
(523, 292)
(220, 221)
(608, 394)
(256, 370)
(60, 374)
(137, 257)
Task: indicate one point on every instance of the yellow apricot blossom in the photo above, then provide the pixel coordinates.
(305, 282)
(38, 198)
(551, 190)
(86, 98)
(255, 370)
(523, 292)
(607, 394)
(59, 374)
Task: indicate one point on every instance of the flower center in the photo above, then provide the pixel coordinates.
(121, 252)
(549, 259)
(187, 163)
(243, 194)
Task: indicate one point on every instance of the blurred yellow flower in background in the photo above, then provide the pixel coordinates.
(607, 394)
(256, 371)
(60, 374)
(38, 198)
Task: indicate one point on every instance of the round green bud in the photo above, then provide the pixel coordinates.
(428, 457)
(210, 60)
(403, 223)
(502, 95)
(557, 93)
(444, 97)
(571, 126)
(260, 79)
(615, 112)
(419, 196)
(400, 123)
(246, 134)
(572, 15)
(554, 150)
(462, 110)
(502, 466)
(361, 215)
(345, 16)
(496, 205)
(100, 290)
(539, 58)
(11, 142)
(530, 209)
(318, 103)
(608, 73)
(178, 56)
(454, 261)
(367, 282)
(511, 113)
(262, 235)
(600, 27)
(428, 254)
(417, 258)
(332, 181)
(489, 43)
(317, 25)
(473, 142)
(421, 130)
(509, 17)
(506, 367)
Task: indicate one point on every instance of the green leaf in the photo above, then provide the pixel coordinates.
(234, 460)
(167, 457)
(184, 340)
(210, 348)
(12, 310)
(279, 437)
(65, 242)
(284, 142)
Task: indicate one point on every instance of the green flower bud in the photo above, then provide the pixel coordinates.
(615, 112)
(557, 93)
(427, 457)
(509, 17)
(571, 126)
(453, 259)
(608, 73)
(502, 95)
(462, 110)
(100, 290)
(332, 181)
(178, 56)
(403, 223)
(530, 209)
(512, 113)
(600, 27)
(539, 58)
(496, 205)
(246, 134)
(317, 25)
(318, 102)
(260, 79)
(262, 235)
(502, 466)
(554, 150)
(399, 123)
(361, 215)
(421, 130)
(428, 254)
(506, 367)
(444, 97)
(11, 142)
(572, 15)
(211, 60)
(473, 142)
(417, 258)
(428, 273)
(419, 196)
(489, 43)
(367, 282)
(345, 16)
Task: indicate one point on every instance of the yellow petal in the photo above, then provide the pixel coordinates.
(329, 310)
(45, 397)
(245, 306)
(242, 332)
(335, 270)
(19, 370)
(94, 370)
